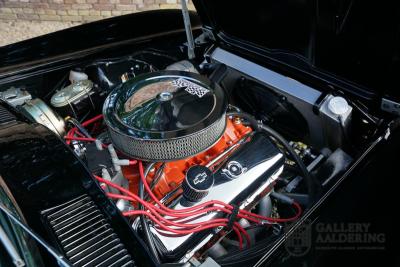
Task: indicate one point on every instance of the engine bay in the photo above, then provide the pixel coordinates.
(212, 158)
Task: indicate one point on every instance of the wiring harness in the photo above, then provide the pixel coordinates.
(179, 222)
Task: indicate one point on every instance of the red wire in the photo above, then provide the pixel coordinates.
(185, 210)
(79, 134)
(240, 239)
(242, 213)
(201, 209)
(74, 130)
(152, 208)
(90, 121)
(69, 134)
(189, 228)
(87, 139)
(148, 205)
(155, 210)
(237, 227)
(195, 210)
(173, 230)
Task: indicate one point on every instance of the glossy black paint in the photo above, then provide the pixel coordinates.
(42, 172)
(352, 39)
(367, 196)
(273, 109)
(107, 73)
(368, 46)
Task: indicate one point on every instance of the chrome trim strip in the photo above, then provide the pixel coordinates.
(300, 95)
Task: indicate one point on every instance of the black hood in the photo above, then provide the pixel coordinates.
(354, 40)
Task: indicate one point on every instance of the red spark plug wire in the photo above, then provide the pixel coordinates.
(71, 133)
(94, 119)
(87, 139)
(219, 222)
(189, 212)
(154, 210)
(242, 213)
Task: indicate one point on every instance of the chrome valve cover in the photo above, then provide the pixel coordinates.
(243, 178)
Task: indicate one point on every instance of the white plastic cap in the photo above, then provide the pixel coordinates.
(76, 76)
(338, 105)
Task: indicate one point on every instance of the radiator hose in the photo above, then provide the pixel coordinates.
(257, 125)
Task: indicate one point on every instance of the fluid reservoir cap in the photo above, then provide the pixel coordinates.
(70, 93)
(198, 181)
(338, 105)
(76, 76)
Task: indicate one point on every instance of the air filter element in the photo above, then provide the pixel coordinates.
(167, 115)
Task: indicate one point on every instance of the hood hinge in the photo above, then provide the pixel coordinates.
(205, 37)
(390, 106)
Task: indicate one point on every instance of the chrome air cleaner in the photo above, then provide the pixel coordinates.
(167, 115)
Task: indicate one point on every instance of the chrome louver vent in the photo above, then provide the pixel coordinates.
(6, 116)
(85, 236)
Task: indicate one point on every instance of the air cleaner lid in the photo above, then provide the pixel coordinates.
(166, 104)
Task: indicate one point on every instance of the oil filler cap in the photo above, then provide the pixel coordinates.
(198, 181)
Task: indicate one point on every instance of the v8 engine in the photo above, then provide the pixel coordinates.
(169, 116)
(205, 156)
(182, 151)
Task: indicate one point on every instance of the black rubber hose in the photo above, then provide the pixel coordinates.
(311, 184)
(143, 221)
(248, 256)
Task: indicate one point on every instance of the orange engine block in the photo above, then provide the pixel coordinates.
(174, 172)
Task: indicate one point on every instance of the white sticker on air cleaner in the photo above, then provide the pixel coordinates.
(191, 88)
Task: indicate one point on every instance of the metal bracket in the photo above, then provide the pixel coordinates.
(206, 36)
(390, 106)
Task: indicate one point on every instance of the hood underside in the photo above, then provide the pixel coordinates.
(358, 41)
